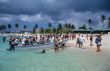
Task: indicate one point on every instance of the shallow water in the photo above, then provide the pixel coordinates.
(71, 59)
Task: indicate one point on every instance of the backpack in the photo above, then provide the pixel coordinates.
(96, 40)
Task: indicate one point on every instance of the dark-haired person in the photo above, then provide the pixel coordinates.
(98, 42)
(12, 44)
(77, 40)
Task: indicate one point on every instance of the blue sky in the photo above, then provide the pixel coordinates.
(41, 12)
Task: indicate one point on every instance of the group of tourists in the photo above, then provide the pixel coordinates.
(80, 41)
(59, 40)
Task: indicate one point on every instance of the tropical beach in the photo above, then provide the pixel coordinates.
(54, 35)
(71, 58)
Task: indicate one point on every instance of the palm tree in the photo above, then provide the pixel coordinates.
(42, 30)
(102, 19)
(3, 27)
(54, 30)
(49, 25)
(16, 26)
(59, 26)
(83, 27)
(72, 27)
(9, 26)
(34, 29)
(69, 25)
(66, 25)
(36, 26)
(89, 21)
(109, 22)
(0, 28)
(24, 27)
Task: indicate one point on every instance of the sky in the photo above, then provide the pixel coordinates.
(41, 12)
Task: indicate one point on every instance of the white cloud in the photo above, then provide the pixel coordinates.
(76, 18)
(50, 1)
(6, 19)
(36, 18)
(4, 1)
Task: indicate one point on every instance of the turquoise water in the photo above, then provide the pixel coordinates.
(71, 59)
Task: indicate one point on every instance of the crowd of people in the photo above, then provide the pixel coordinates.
(59, 40)
(80, 41)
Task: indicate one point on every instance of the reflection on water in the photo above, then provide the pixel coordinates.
(71, 59)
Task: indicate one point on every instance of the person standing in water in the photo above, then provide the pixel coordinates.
(4, 38)
(23, 41)
(56, 44)
(98, 43)
(12, 44)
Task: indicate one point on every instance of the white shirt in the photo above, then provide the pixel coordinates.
(23, 40)
(81, 39)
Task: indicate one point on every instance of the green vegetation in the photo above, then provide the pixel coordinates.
(16, 26)
(25, 27)
(60, 28)
(84, 27)
(2, 27)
